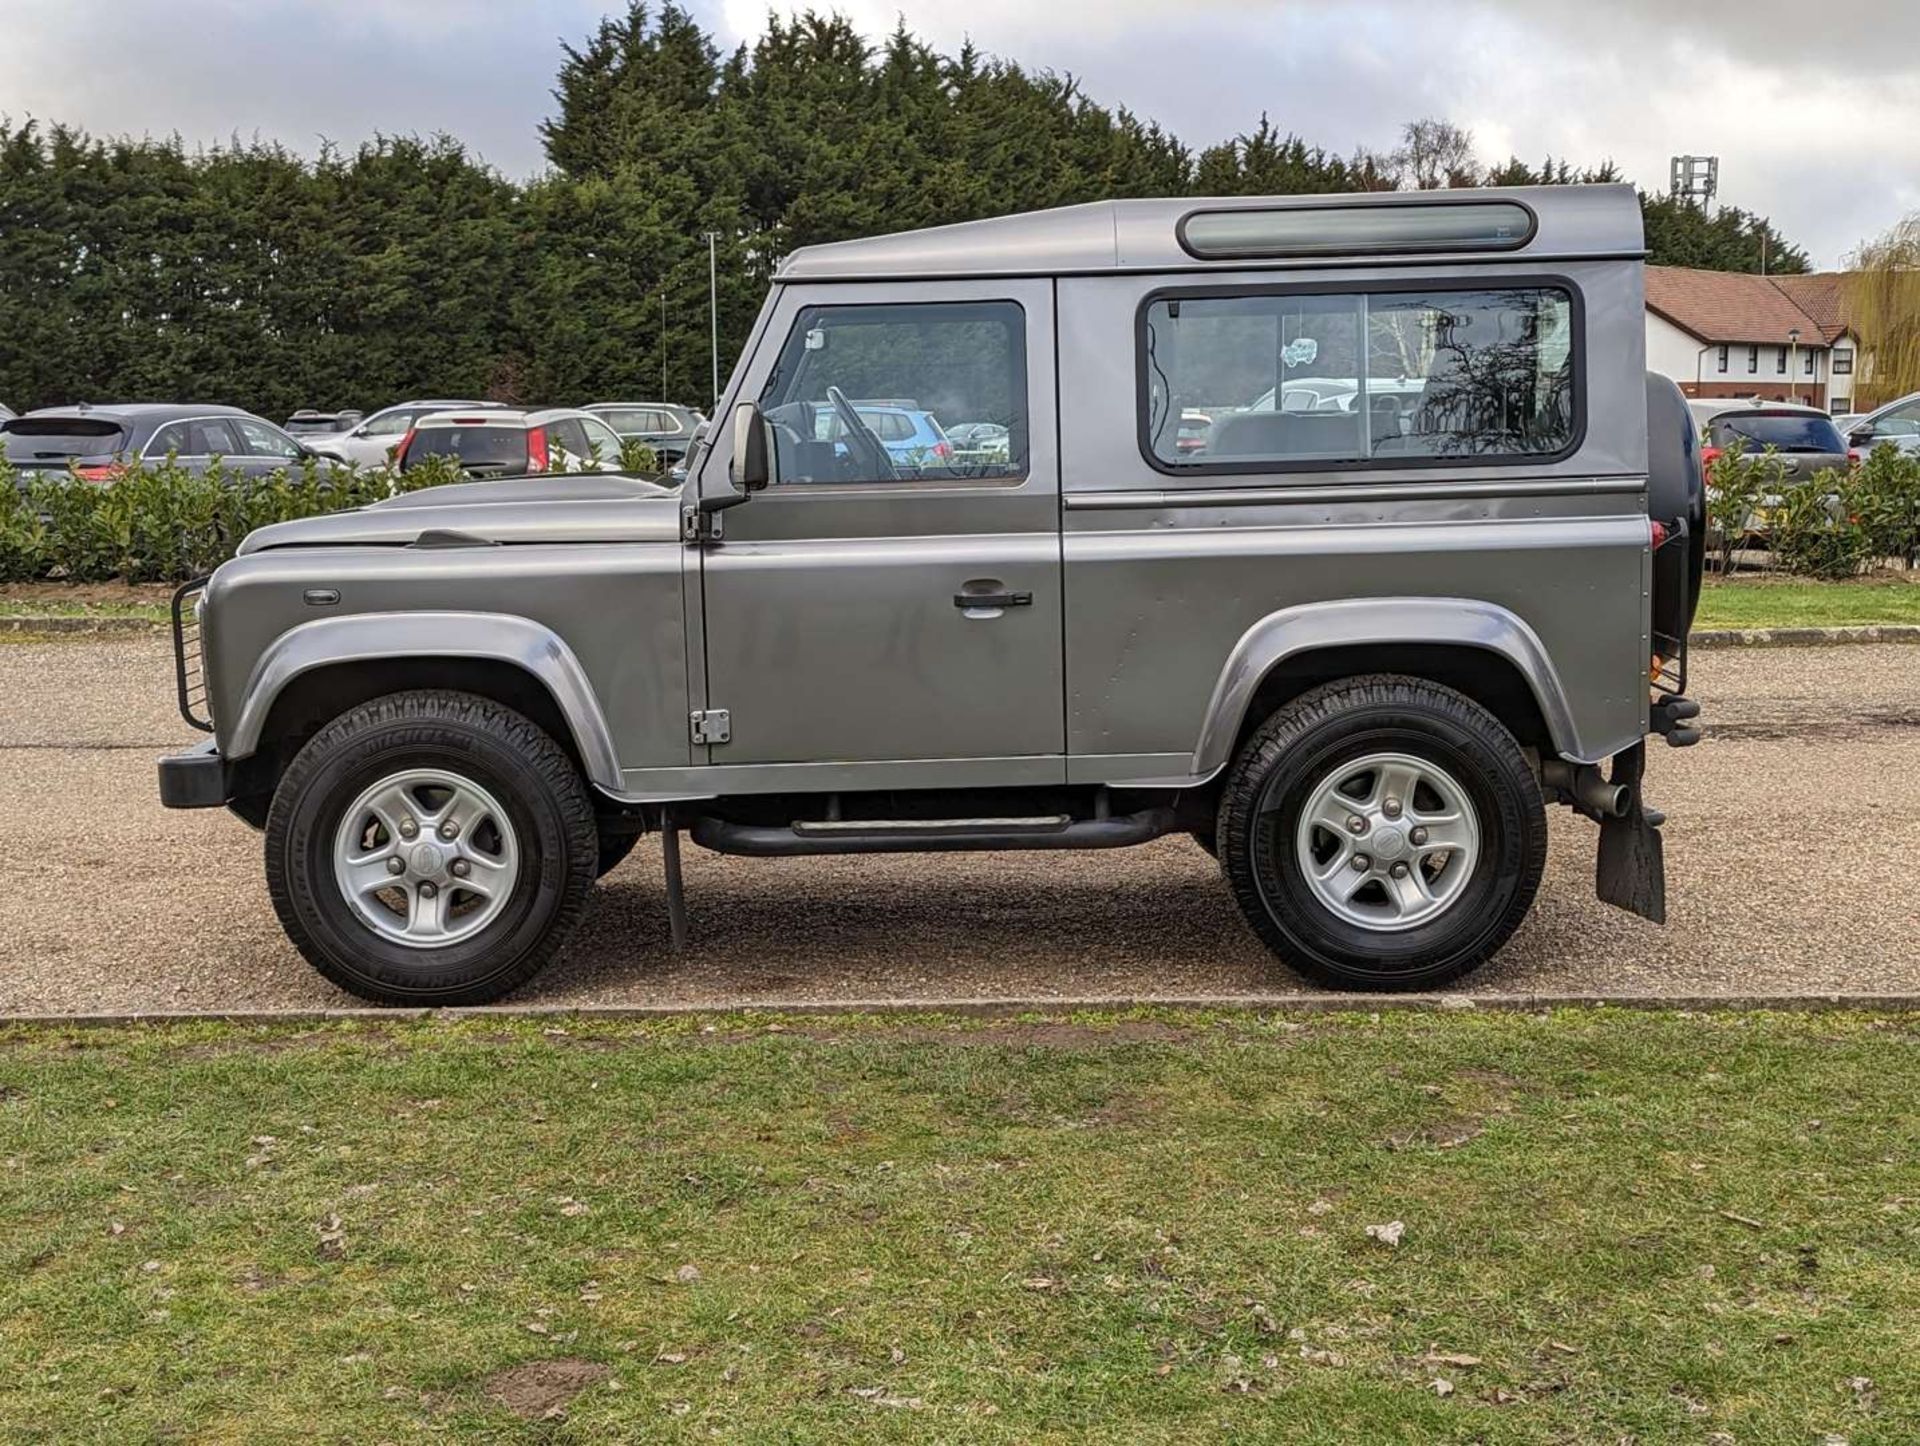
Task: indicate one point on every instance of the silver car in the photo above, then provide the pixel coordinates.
(372, 442)
(1897, 423)
(1352, 652)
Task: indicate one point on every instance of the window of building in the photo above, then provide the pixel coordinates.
(1808, 367)
(1753, 360)
(867, 393)
(1780, 363)
(1843, 362)
(1723, 360)
(1840, 406)
(1262, 381)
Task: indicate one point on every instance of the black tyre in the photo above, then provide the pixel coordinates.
(430, 848)
(1382, 833)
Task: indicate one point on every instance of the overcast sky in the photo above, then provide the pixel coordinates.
(1813, 109)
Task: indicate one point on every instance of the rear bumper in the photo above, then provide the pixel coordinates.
(194, 779)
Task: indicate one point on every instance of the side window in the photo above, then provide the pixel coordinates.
(1271, 381)
(264, 441)
(569, 436)
(603, 443)
(171, 438)
(868, 393)
(391, 424)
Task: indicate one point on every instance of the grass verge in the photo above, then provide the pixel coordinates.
(1744, 601)
(1149, 1227)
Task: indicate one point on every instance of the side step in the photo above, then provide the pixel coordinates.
(937, 835)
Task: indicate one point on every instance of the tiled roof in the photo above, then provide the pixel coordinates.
(1738, 306)
(1821, 296)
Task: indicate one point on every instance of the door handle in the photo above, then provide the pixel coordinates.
(993, 599)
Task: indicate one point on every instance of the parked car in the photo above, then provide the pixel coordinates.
(370, 443)
(1805, 438)
(1804, 441)
(7, 413)
(910, 435)
(987, 442)
(499, 442)
(310, 423)
(97, 441)
(1896, 422)
(453, 709)
(666, 427)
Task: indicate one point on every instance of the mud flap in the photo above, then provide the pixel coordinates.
(1632, 869)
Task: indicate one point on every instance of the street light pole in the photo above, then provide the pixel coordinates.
(713, 310)
(1793, 363)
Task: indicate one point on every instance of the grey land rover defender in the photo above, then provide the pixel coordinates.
(1343, 533)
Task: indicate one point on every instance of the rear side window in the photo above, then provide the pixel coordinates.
(1266, 380)
(1788, 431)
(50, 439)
(205, 437)
(482, 446)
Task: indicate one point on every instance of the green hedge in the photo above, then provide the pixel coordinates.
(160, 522)
(163, 523)
(1830, 525)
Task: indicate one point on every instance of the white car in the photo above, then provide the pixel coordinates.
(503, 442)
(371, 442)
(1896, 422)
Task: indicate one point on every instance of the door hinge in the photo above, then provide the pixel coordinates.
(711, 725)
(698, 526)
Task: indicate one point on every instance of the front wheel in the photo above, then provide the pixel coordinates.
(1383, 833)
(430, 848)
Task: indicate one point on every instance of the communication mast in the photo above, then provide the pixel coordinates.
(1695, 179)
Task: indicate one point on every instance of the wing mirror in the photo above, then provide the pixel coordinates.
(1859, 436)
(752, 467)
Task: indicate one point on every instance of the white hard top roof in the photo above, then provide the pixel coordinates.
(1572, 222)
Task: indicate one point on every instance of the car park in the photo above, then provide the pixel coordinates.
(307, 422)
(371, 442)
(95, 442)
(1355, 665)
(501, 442)
(1896, 424)
(666, 427)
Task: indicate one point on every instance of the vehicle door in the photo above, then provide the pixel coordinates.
(194, 443)
(373, 441)
(859, 612)
(1899, 425)
(268, 448)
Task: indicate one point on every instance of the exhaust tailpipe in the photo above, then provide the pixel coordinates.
(1588, 789)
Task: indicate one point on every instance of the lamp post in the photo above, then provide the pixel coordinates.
(1793, 363)
(713, 310)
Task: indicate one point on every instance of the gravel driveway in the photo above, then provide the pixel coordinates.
(1789, 856)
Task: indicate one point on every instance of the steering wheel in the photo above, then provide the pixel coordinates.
(867, 447)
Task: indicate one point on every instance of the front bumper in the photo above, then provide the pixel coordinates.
(194, 779)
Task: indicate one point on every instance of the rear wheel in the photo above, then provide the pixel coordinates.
(430, 848)
(1383, 833)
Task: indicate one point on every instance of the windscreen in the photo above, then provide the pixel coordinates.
(310, 426)
(1788, 431)
(52, 439)
(475, 446)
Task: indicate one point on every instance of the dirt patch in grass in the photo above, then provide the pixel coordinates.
(540, 1389)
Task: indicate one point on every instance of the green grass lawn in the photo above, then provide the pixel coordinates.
(1763, 601)
(1141, 1228)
